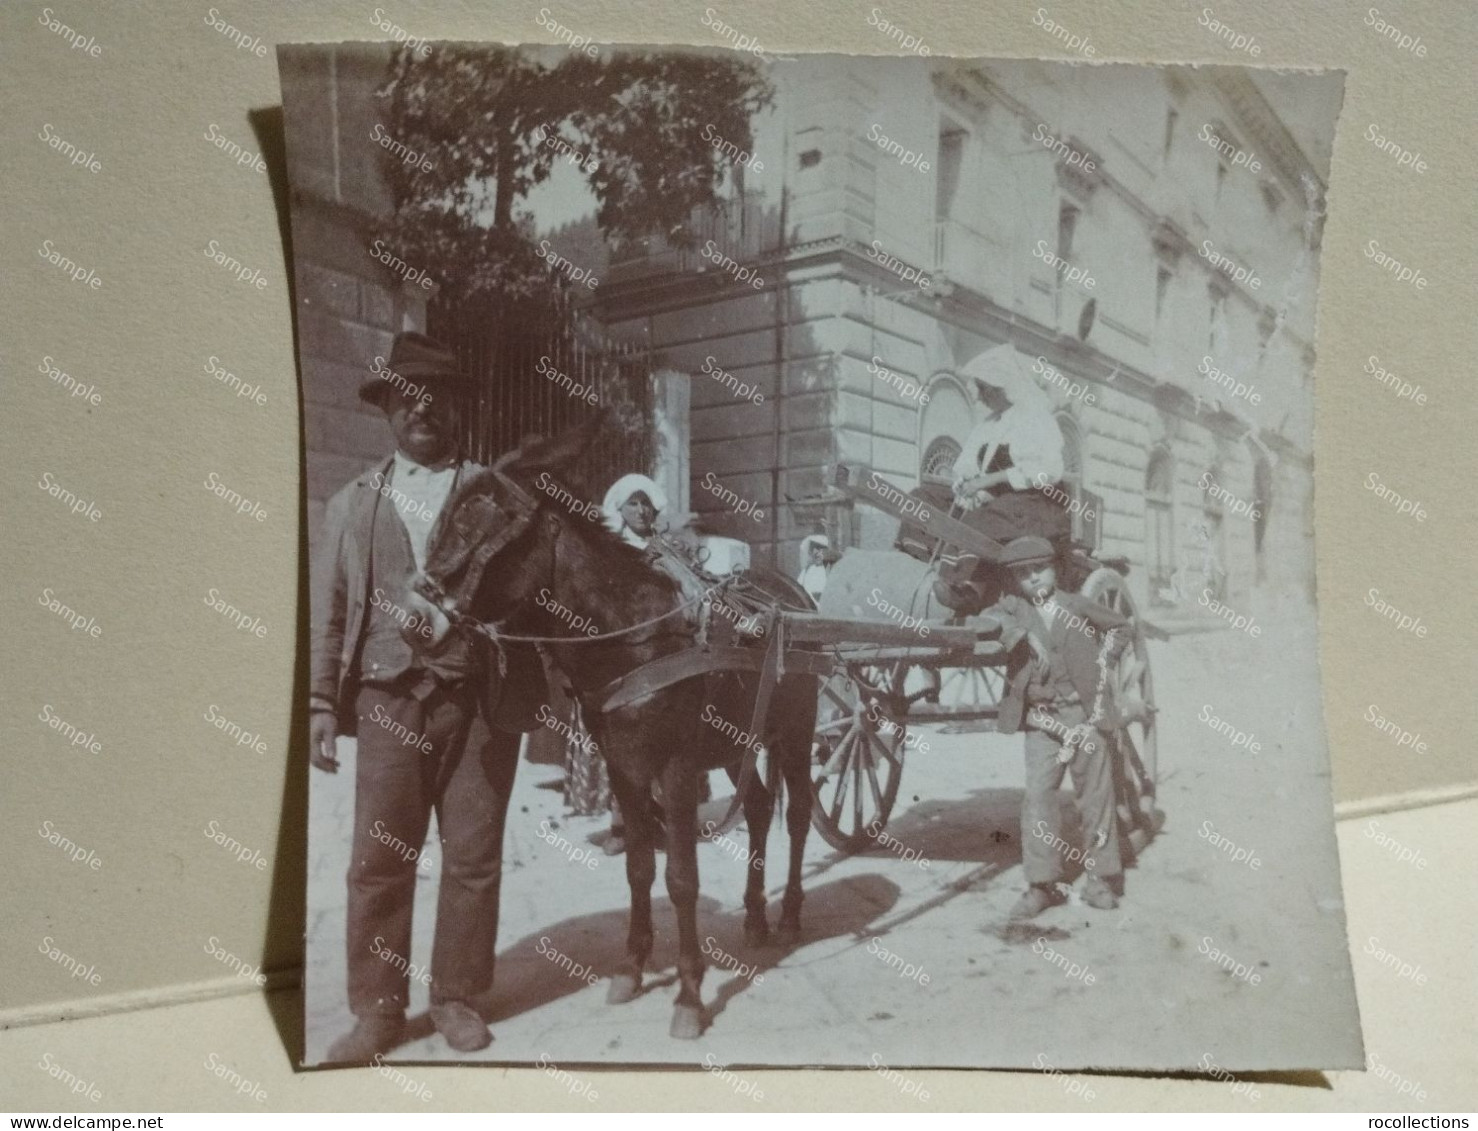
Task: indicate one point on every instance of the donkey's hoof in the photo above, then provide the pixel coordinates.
(687, 1022)
(623, 988)
(756, 934)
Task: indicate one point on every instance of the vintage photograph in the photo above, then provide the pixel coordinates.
(812, 561)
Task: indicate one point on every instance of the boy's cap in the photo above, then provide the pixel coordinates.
(1027, 550)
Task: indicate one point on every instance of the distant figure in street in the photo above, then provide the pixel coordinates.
(814, 568)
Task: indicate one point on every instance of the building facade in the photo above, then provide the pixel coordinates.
(1146, 238)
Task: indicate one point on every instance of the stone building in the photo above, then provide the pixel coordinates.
(1146, 238)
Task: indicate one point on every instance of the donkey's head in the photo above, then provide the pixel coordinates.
(495, 550)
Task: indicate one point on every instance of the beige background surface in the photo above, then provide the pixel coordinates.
(144, 105)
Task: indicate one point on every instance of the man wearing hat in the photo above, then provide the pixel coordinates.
(1063, 647)
(423, 744)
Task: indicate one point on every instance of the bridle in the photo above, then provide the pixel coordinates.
(470, 522)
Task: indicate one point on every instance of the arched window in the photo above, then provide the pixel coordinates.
(1262, 487)
(1086, 519)
(1159, 525)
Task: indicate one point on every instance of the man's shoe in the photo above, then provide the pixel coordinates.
(1098, 894)
(1036, 899)
(372, 1035)
(460, 1024)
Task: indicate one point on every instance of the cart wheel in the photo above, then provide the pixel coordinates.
(857, 754)
(1137, 765)
(974, 690)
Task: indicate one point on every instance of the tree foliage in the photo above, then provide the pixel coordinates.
(487, 119)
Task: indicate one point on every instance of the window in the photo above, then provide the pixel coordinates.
(1067, 227)
(947, 182)
(1171, 116)
(1162, 287)
(1221, 179)
(1159, 526)
(1216, 331)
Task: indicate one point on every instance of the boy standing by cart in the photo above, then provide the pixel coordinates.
(1062, 647)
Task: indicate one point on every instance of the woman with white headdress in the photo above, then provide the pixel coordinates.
(812, 577)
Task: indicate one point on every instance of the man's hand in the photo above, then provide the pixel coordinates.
(323, 729)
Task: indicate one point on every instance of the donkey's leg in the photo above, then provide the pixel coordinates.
(794, 752)
(680, 794)
(641, 870)
(759, 807)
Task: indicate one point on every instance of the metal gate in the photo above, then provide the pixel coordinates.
(541, 367)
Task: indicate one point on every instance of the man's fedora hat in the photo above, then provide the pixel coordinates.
(1027, 550)
(415, 362)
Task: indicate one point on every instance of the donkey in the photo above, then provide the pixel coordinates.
(523, 558)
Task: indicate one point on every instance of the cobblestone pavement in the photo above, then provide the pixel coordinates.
(993, 996)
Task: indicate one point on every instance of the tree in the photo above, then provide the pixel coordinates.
(492, 121)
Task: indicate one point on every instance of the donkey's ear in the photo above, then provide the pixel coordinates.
(540, 454)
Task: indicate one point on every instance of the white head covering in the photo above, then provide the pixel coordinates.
(620, 493)
(813, 539)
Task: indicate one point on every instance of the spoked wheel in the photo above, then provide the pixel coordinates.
(975, 690)
(1136, 765)
(857, 754)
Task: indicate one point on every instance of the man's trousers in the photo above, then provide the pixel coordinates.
(423, 747)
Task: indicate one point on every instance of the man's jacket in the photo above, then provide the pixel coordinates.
(1091, 647)
(339, 596)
